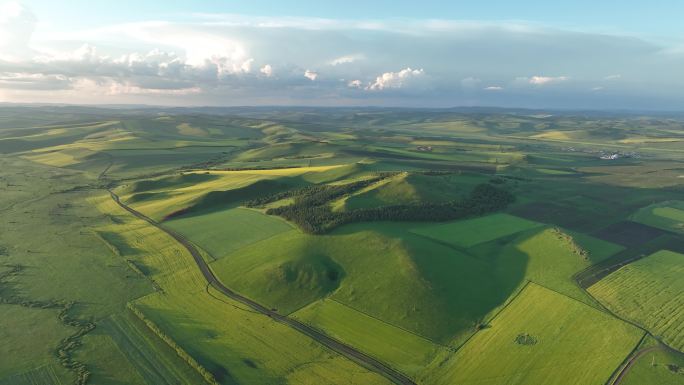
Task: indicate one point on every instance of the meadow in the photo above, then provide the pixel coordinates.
(667, 216)
(411, 268)
(541, 337)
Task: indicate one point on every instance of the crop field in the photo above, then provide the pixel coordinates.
(471, 232)
(222, 232)
(403, 349)
(351, 246)
(649, 292)
(542, 337)
(667, 216)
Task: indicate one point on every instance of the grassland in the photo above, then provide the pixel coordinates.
(406, 351)
(221, 232)
(658, 365)
(649, 292)
(439, 302)
(415, 291)
(249, 347)
(667, 216)
(542, 337)
(471, 232)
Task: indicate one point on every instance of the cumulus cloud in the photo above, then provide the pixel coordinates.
(395, 79)
(355, 83)
(213, 59)
(267, 70)
(311, 75)
(544, 80)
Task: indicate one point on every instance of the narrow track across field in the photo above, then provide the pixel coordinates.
(331, 343)
(631, 362)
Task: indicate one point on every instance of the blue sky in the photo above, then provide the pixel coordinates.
(559, 54)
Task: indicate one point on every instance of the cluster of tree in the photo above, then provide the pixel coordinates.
(570, 241)
(313, 215)
(207, 375)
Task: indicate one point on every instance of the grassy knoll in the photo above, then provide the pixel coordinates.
(666, 215)
(222, 232)
(232, 343)
(649, 292)
(402, 349)
(659, 366)
(423, 286)
(542, 337)
(471, 232)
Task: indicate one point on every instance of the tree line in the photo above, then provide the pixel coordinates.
(311, 211)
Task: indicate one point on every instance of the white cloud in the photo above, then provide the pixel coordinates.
(267, 70)
(494, 88)
(354, 84)
(345, 59)
(31, 81)
(395, 79)
(311, 75)
(470, 82)
(599, 88)
(544, 80)
(613, 77)
(17, 24)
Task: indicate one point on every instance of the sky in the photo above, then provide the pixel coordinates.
(532, 54)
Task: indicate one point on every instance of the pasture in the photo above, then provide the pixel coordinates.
(650, 292)
(666, 215)
(222, 232)
(471, 232)
(541, 337)
(400, 348)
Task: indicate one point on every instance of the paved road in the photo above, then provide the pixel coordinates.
(333, 344)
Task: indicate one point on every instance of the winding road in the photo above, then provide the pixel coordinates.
(331, 343)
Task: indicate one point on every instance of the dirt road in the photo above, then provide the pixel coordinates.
(631, 363)
(333, 344)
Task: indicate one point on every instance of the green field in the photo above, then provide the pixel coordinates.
(471, 232)
(658, 365)
(222, 232)
(542, 337)
(449, 251)
(404, 350)
(649, 292)
(667, 216)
